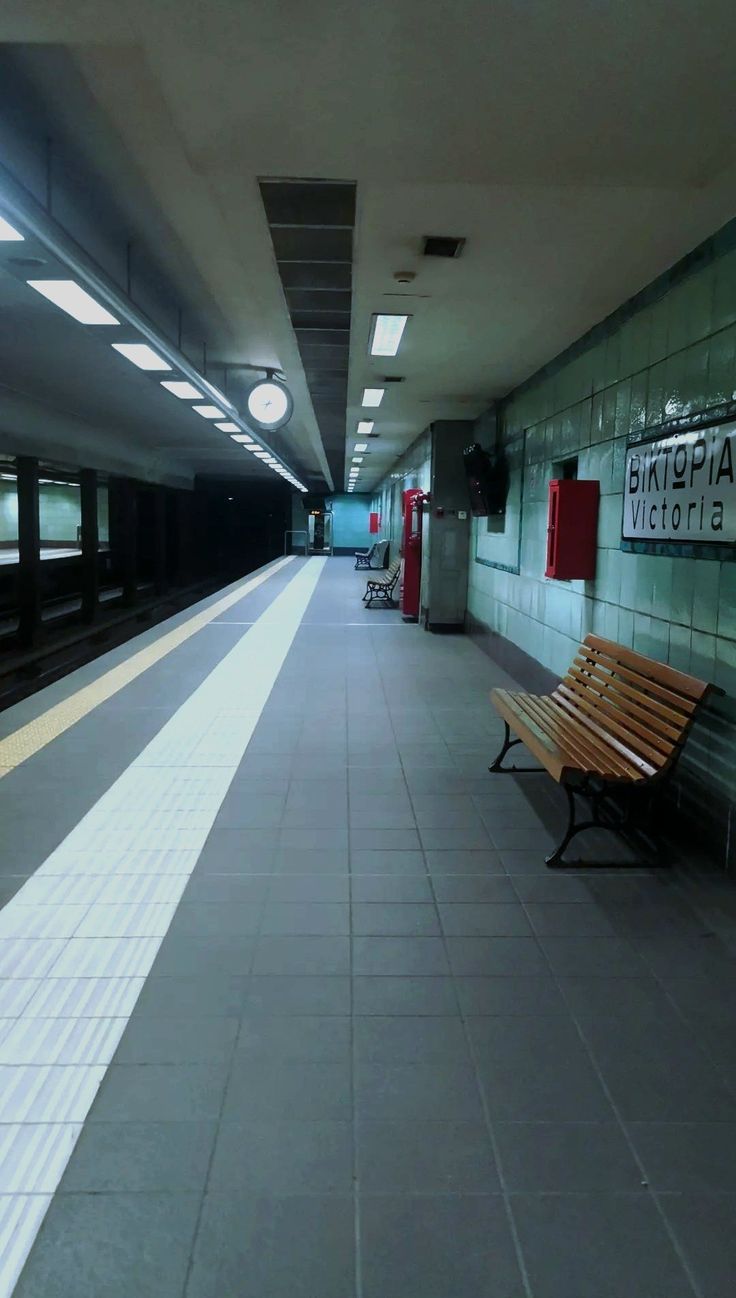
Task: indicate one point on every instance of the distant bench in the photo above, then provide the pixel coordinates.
(380, 590)
(614, 725)
(375, 557)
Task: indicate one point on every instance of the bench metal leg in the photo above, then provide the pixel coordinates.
(607, 815)
(497, 769)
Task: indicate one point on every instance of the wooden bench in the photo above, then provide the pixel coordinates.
(375, 557)
(610, 732)
(381, 589)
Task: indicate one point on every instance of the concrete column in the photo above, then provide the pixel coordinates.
(159, 540)
(128, 539)
(29, 547)
(90, 544)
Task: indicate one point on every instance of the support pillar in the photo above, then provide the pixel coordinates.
(159, 540)
(128, 540)
(90, 544)
(29, 556)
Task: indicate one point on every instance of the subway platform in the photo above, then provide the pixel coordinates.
(290, 1006)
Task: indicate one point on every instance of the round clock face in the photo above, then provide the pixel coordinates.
(269, 404)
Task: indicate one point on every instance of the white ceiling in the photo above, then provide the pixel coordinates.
(580, 149)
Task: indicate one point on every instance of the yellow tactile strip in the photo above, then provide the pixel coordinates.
(29, 739)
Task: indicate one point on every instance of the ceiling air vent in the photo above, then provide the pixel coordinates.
(392, 378)
(442, 245)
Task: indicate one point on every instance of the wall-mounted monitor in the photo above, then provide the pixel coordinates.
(488, 480)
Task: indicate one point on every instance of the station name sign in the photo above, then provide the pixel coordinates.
(682, 487)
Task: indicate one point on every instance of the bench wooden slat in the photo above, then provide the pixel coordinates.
(678, 682)
(537, 740)
(640, 739)
(650, 705)
(609, 760)
(642, 682)
(634, 760)
(584, 752)
(607, 693)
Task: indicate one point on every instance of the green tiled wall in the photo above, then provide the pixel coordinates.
(412, 470)
(675, 354)
(59, 512)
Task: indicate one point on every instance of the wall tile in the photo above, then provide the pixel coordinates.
(727, 601)
(722, 366)
(705, 597)
(679, 650)
(724, 295)
(683, 591)
(703, 656)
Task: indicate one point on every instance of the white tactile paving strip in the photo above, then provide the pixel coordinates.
(79, 938)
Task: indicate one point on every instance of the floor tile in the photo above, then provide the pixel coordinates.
(290, 1247)
(404, 919)
(112, 1244)
(187, 1040)
(705, 1227)
(409, 1039)
(438, 1091)
(566, 1157)
(503, 956)
(399, 956)
(309, 918)
(160, 1093)
(141, 1157)
(527, 994)
(297, 954)
(627, 1250)
(386, 995)
(436, 1246)
(371, 889)
(387, 861)
(283, 1158)
(535, 1068)
(264, 1089)
(297, 994)
(425, 1158)
(484, 919)
(316, 1037)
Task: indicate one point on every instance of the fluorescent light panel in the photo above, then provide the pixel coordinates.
(387, 334)
(8, 232)
(184, 391)
(357, 459)
(243, 438)
(365, 427)
(73, 299)
(373, 396)
(228, 427)
(209, 412)
(142, 355)
(360, 446)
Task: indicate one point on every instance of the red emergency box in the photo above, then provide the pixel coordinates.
(412, 551)
(571, 528)
(374, 522)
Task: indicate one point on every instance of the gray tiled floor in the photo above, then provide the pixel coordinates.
(383, 1052)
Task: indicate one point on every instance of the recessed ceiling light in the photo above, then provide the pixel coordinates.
(386, 334)
(185, 391)
(373, 396)
(357, 459)
(261, 455)
(361, 446)
(238, 437)
(365, 428)
(142, 355)
(228, 427)
(73, 299)
(8, 232)
(208, 412)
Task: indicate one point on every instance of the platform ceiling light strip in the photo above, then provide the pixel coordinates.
(365, 428)
(73, 299)
(209, 412)
(184, 391)
(373, 396)
(243, 438)
(386, 334)
(8, 232)
(141, 355)
(90, 959)
(228, 427)
(361, 446)
(86, 307)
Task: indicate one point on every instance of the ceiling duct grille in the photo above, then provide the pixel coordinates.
(442, 245)
(311, 224)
